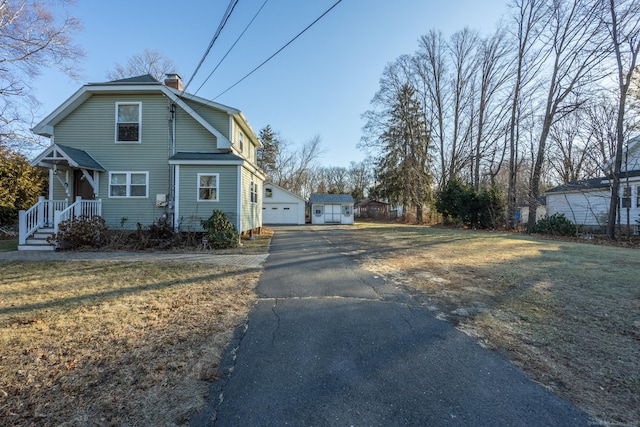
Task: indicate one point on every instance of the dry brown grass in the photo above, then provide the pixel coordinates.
(101, 343)
(566, 313)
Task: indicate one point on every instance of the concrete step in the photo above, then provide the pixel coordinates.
(38, 241)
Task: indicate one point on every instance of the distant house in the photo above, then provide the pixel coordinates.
(372, 209)
(137, 150)
(586, 202)
(331, 208)
(522, 213)
(280, 206)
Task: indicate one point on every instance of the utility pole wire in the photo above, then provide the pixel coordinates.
(232, 46)
(279, 50)
(225, 18)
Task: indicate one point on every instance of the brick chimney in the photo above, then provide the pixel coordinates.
(173, 80)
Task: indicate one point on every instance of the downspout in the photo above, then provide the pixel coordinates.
(172, 168)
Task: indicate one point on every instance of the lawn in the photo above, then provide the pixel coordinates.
(8, 245)
(116, 343)
(567, 313)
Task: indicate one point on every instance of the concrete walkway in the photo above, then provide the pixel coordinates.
(253, 261)
(329, 344)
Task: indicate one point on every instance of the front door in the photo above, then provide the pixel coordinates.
(81, 185)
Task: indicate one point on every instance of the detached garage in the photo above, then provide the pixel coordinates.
(280, 206)
(331, 208)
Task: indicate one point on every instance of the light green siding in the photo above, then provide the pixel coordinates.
(190, 211)
(91, 127)
(218, 119)
(251, 211)
(191, 136)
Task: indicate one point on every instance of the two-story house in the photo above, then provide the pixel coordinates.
(137, 150)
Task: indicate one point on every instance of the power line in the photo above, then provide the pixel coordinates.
(279, 50)
(232, 46)
(225, 18)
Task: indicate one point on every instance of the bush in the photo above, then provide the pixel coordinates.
(556, 225)
(220, 231)
(79, 232)
(461, 204)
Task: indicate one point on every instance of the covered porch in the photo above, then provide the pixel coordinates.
(77, 172)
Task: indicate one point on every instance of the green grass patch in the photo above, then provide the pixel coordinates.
(8, 245)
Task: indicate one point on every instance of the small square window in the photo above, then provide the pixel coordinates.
(268, 192)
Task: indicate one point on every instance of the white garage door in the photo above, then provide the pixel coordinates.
(280, 213)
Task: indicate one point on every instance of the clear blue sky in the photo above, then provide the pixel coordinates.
(319, 85)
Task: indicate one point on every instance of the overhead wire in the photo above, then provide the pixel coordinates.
(279, 50)
(232, 46)
(223, 21)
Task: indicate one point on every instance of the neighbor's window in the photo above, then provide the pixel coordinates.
(129, 184)
(638, 197)
(128, 121)
(346, 210)
(626, 197)
(254, 191)
(268, 192)
(208, 187)
(241, 142)
(318, 210)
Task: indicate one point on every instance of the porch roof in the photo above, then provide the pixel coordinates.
(60, 154)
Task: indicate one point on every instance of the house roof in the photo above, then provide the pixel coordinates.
(330, 198)
(147, 78)
(581, 185)
(75, 157)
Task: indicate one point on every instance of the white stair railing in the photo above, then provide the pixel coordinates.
(38, 216)
(88, 208)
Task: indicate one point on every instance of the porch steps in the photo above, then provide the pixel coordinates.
(38, 241)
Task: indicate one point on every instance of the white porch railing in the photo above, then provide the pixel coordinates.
(50, 213)
(88, 208)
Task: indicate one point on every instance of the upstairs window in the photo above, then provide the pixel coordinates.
(241, 142)
(208, 187)
(268, 192)
(128, 121)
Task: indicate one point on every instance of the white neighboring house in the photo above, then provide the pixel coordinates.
(331, 208)
(586, 202)
(280, 206)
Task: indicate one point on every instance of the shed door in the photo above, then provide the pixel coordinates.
(332, 214)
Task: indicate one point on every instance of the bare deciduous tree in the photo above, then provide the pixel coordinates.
(150, 62)
(32, 38)
(574, 42)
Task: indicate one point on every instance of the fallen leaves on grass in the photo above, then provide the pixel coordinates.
(114, 343)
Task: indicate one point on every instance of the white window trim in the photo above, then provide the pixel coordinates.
(241, 142)
(139, 141)
(217, 175)
(128, 184)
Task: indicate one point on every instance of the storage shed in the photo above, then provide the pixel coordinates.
(331, 208)
(280, 206)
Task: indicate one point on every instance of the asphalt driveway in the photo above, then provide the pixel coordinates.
(329, 344)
